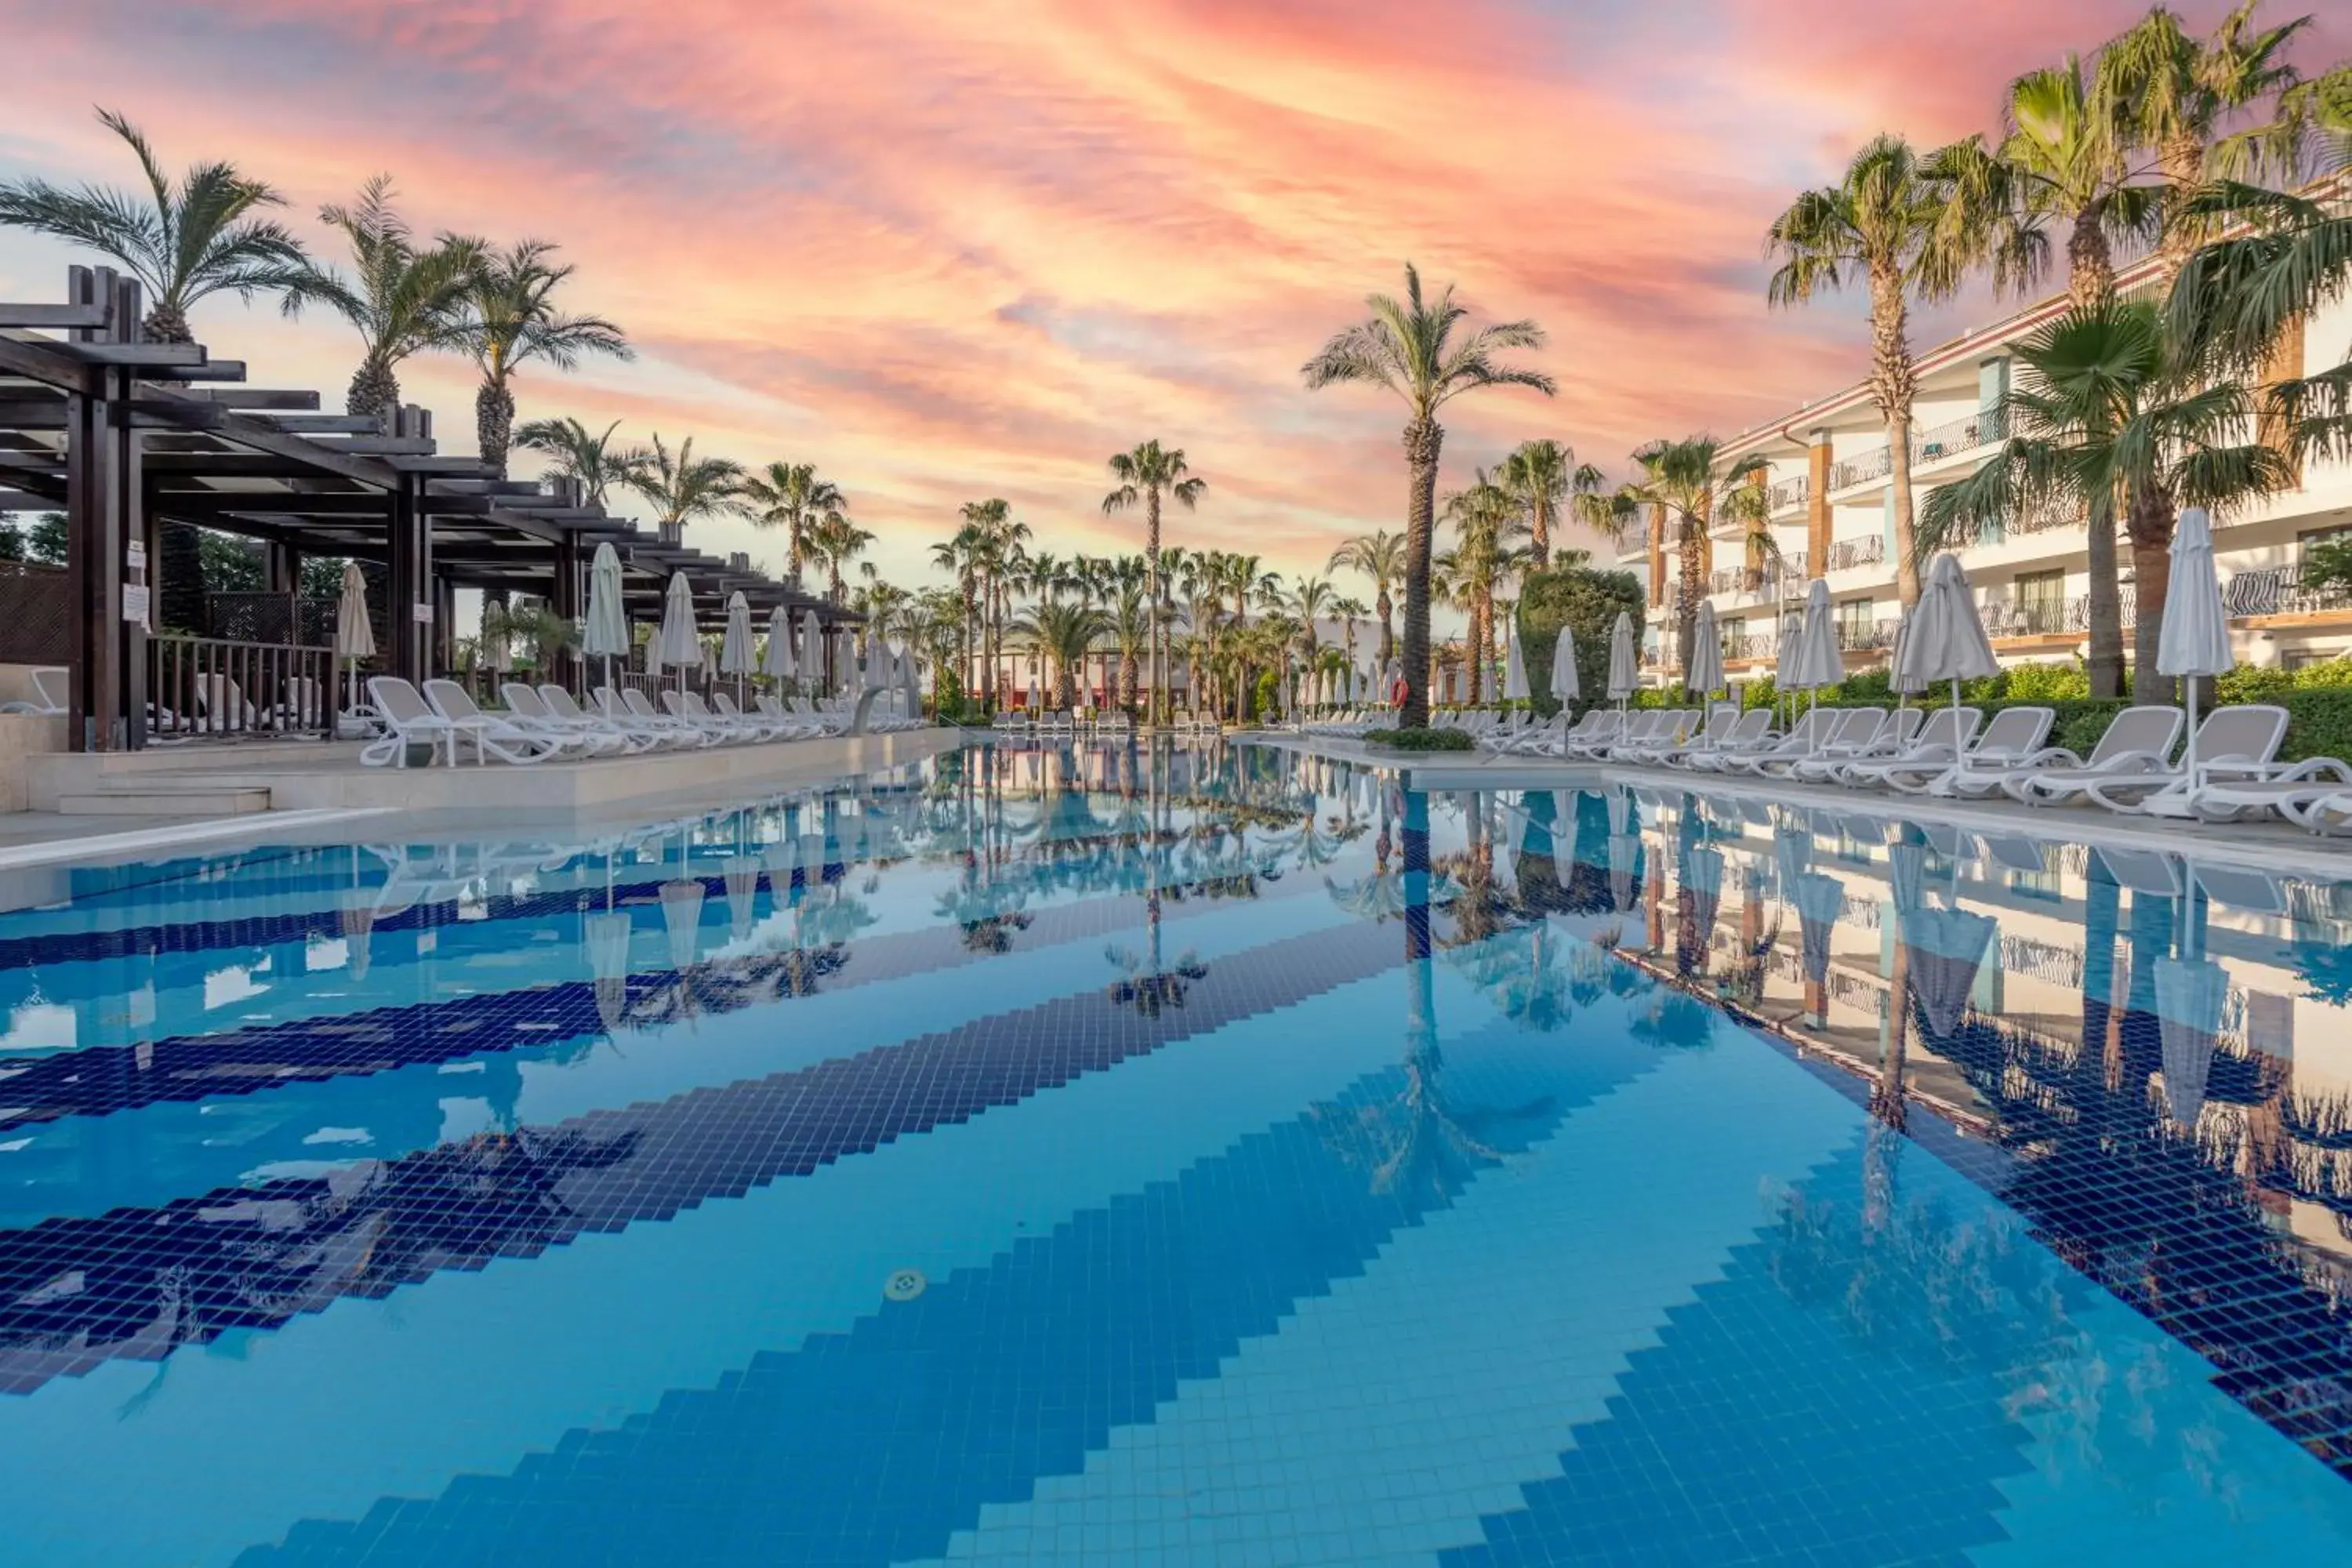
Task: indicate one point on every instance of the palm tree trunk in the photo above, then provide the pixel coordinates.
(1424, 440)
(2149, 528)
(2090, 265)
(1157, 630)
(494, 412)
(1893, 384)
(2106, 608)
(1384, 604)
(373, 390)
(1689, 553)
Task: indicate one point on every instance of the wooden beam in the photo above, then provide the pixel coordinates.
(252, 398)
(212, 370)
(143, 356)
(52, 317)
(325, 423)
(21, 414)
(48, 363)
(375, 446)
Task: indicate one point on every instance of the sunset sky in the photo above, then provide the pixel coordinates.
(948, 251)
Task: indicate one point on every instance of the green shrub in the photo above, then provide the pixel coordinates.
(1422, 740)
(2045, 683)
(2319, 723)
(1586, 604)
(2252, 683)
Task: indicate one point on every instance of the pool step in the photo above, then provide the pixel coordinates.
(161, 799)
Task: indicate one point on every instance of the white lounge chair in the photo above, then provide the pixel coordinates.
(2012, 738)
(635, 737)
(409, 720)
(1896, 732)
(2138, 739)
(1803, 737)
(493, 735)
(2238, 744)
(1849, 738)
(50, 691)
(1943, 736)
(1705, 735)
(527, 710)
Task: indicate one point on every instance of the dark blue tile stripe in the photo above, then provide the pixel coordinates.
(98, 1079)
(76, 1292)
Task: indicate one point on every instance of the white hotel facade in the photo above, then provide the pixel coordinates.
(1832, 516)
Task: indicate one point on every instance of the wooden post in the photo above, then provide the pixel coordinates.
(564, 600)
(94, 547)
(1820, 450)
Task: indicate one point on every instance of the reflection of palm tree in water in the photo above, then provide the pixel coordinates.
(1420, 1143)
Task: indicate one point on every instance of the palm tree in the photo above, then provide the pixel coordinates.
(1379, 555)
(1132, 625)
(1146, 473)
(2065, 162)
(1485, 522)
(1313, 598)
(1679, 484)
(792, 497)
(683, 487)
(2182, 91)
(1062, 634)
(199, 237)
(960, 554)
(2103, 418)
(996, 542)
(512, 319)
(582, 455)
(407, 297)
(1893, 225)
(1410, 347)
(836, 540)
(1542, 476)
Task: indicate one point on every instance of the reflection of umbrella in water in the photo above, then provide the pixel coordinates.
(742, 876)
(1700, 899)
(358, 920)
(1793, 856)
(606, 934)
(1563, 837)
(1907, 875)
(1621, 810)
(2190, 995)
(1948, 947)
(1625, 851)
(1515, 843)
(1820, 899)
(681, 902)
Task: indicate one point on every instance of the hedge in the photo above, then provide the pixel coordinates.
(1436, 740)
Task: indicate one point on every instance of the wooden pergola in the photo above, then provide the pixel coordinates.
(122, 436)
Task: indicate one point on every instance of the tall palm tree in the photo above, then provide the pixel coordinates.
(2064, 162)
(1680, 485)
(1410, 346)
(1485, 523)
(836, 541)
(1313, 598)
(1146, 473)
(683, 487)
(1380, 556)
(1132, 626)
(200, 236)
(792, 497)
(2182, 92)
(1062, 635)
(406, 297)
(997, 540)
(511, 318)
(584, 454)
(1896, 227)
(2104, 418)
(1543, 477)
(960, 555)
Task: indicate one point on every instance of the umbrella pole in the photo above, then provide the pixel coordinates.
(2188, 759)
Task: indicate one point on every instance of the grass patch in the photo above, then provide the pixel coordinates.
(1421, 739)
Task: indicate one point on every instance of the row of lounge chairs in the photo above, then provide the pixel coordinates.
(544, 723)
(1060, 721)
(2139, 764)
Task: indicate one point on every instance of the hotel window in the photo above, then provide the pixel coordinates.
(2041, 598)
(1734, 635)
(1853, 621)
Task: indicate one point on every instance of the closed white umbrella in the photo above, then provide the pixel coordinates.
(2195, 638)
(606, 634)
(776, 659)
(1944, 638)
(1515, 667)
(1705, 671)
(1624, 666)
(737, 657)
(681, 649)
(354, 637)
(812, 654)
(653, 656)
(1818, 662)
(1565, 687)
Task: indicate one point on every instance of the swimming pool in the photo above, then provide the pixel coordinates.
(1208, 1156)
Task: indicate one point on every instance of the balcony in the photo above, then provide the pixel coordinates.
(1861, 636)
(2279, 591)
(1955, 436)
(2047, 617)
(1844, 554)
(1790, 494)
(1751, 645)
(1634, 542)
(1861, 470)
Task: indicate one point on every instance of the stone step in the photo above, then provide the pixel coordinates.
(162, 800)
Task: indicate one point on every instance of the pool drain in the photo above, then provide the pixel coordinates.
(904, 1284)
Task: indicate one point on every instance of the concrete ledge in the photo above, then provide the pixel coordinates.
(24, 736)
(305, 776)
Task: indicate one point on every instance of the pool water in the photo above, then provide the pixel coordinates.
(1214, 1155)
